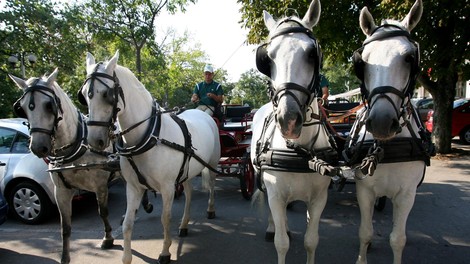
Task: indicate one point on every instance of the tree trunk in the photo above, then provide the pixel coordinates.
(443, 93)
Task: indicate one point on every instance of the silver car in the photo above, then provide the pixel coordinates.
(24, 180)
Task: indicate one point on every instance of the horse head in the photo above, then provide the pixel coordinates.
(41, 105)
(387, 64)
(101, 92)
(291, 58)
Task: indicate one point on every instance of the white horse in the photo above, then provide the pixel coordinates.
(387, 64)
(157, 149)
(58, 131)
(288, 132)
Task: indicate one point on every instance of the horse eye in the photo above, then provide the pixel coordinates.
(49, 107)
(409, 58)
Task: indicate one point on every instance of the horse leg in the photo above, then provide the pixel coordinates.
(366, 199)
(269, 236)
(134, 196)
(102, 199)
(402, 205)
(281, 239)
(188, 192)
(314, 211)
(208, 183)
(148, 207)
(63, 198)
(168, 194)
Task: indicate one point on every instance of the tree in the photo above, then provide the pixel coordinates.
(443, 36)
(40, 27)
(251, 89)
(132, 21)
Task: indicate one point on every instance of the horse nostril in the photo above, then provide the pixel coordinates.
(395, 127)
(299, 121)
(101, 143)
(44, 151)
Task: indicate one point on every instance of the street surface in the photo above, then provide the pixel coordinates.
(438, 227)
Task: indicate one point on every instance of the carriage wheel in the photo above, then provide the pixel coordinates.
(247, 177)
(380, 203)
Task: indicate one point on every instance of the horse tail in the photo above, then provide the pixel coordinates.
(258, 201)
(207, 179)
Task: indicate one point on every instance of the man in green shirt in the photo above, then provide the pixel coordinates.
(208, 94)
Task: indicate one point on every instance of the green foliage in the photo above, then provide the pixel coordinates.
(251, 89)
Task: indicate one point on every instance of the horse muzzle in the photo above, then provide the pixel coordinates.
(41, 145)
(289, 120)
(383, 125)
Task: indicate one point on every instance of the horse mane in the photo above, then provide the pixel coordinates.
(394, 23)
(290, 18)
(128, 79)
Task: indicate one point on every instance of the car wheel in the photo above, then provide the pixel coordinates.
(29, 203)
(465, 135)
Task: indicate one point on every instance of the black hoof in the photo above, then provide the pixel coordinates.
(183, 232)
(164, 259)
(210, 215)
(107, 244)
(148, 208)
(269, 237)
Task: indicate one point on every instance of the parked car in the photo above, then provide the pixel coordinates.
(3, 206)
(423, 105)
(460, 120)
(24, 180)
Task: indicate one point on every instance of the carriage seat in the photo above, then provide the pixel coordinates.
(236, 113)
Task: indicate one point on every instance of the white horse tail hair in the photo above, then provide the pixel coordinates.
(206, 179)
(258, 201)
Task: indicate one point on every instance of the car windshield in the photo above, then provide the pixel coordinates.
(460, 102)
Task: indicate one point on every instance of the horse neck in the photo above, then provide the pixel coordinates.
(138, 106)
(67, 128)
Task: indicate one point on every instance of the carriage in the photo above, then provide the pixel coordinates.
(235, 140)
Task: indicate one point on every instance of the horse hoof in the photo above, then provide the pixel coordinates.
(269, 237)
(210, 215)
(164, 259)
(107, 244)
(183, 232)
(148, 208)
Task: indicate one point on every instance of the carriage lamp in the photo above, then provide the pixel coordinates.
(13, 60)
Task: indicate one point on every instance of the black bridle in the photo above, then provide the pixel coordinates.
(384, 91)
(56, 107)
(263, 63)
(112, 95)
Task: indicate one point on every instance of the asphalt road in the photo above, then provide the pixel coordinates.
(438, 227)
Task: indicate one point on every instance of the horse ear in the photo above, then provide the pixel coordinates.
(18, 81)
(366, 21)
(112, 63)
(90, 60)
(312, 16)
(51, 79)
(413, 17)
(269, 20)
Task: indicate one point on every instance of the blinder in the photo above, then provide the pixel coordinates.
(359, 64)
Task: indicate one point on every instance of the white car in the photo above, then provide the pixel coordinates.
(24, 180)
